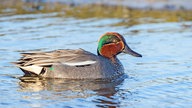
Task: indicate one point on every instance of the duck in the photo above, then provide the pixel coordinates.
(78, 63)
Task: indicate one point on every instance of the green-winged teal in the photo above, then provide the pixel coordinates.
(79, 64)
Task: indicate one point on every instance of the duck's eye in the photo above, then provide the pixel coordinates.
(114, 41)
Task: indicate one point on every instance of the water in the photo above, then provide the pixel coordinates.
(162, 78)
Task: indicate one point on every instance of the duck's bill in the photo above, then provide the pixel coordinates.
(128, 50)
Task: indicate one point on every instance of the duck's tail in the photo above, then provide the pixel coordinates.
(31, 70)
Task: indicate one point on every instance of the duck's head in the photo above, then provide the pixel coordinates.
(112, 43)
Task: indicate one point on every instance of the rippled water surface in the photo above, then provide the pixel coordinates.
(162, 78)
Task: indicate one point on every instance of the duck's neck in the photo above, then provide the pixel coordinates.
(112, 59)
(107, 54)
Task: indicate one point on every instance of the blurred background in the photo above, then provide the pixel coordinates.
(161, 30)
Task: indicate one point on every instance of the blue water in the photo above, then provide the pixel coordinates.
(162, 78)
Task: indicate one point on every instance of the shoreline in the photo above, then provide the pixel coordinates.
(130, 16)
(132, 4)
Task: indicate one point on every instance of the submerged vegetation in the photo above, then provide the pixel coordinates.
(129, 16)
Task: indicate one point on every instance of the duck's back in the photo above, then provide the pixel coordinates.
(72, 64)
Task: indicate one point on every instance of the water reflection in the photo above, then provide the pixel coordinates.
(66, 89)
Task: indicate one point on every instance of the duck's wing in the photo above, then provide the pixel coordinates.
(35, 61)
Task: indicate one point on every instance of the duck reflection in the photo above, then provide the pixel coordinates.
(71, 89)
